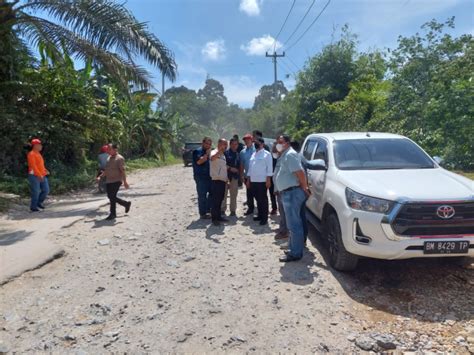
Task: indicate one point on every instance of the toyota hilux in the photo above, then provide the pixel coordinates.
(382, 196)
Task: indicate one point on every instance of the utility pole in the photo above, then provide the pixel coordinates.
(274, 57)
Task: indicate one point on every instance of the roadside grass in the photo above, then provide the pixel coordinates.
(64, 179)
(469, 174)
(4, 204)
(149, 163)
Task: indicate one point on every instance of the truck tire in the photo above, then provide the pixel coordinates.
(339, 258)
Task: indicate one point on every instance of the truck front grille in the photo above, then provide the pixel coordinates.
(423, 219)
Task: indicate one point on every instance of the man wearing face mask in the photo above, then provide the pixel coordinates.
(245, 156)
(291, 183)
(260, 175)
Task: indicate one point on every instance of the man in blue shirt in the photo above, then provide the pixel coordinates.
(245, 156)
(290, 182)
(202, 176)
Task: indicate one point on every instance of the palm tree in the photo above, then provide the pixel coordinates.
(98, 30)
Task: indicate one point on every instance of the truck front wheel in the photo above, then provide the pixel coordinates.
(340, 258)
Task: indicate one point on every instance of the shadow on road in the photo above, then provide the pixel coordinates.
(429, 289)
(9, 238)
(199, 224)
(299, 273)
(214, 231)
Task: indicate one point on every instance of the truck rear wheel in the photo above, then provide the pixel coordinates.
(340, 258)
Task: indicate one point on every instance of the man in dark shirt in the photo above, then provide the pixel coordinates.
(240, 145)
(202, 177)
(233, 171)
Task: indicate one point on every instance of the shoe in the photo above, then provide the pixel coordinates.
(34, 210)
(273, 212)
(216, 223)
(262, 223)
(288, 258)
(249, 212)
(232, 214)
(41, 206)
(281, 235)
(284, 246)
(223, 220)
(111, 217)
(257, 218)
(127, 208)
(205, 216)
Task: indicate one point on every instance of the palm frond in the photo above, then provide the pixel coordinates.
(109, 26)
(39, 30)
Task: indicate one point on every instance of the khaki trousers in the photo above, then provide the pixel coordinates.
(233, 188)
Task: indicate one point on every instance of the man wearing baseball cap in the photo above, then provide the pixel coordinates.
(37, 176)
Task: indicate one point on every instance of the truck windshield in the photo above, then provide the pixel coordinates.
(375, 154)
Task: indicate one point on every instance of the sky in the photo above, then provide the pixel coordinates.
(227, 39)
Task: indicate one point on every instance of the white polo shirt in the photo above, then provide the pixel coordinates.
(261, 166)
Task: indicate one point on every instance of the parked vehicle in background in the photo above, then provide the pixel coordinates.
(188, 152)
(381, 196)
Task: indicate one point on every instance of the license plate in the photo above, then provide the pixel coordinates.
(455, 247)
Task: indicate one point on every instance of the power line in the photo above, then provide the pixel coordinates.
(287, 68)
(311, 25)
(293, 63)
(299, 24)
(283, 26)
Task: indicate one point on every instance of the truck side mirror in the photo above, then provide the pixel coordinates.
(316, 164)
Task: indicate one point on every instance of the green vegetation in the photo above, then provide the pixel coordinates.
(75, 111)
(423, 89)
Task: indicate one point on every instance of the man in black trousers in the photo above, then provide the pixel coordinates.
(260, 176)
(219, 178)
(115, 176)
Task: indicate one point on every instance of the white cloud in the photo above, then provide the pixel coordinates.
(258, 46)
(250, 7)
(214, 50)
(240, 89)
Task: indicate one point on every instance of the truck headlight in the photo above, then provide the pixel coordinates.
(361, 202)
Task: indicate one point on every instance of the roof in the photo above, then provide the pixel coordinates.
(356, 135)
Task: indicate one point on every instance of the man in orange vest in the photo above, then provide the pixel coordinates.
(37, 176)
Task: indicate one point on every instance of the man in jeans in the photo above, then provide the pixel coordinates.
(260, 176)
(202, 177)
(291, 183)
(218, 167)
(245, 156)
(37, 176)
(282, 232)
(115, 175)
(233, 168)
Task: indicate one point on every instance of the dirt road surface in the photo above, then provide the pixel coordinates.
(160, 280)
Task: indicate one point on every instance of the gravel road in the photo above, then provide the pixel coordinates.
(160, 280)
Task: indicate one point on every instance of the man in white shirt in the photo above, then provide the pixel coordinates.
(260, 178)
(218, 171)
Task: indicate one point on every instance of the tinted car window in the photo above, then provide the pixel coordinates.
(192, 145)
(309, 148)
(321, 151)
(373, 154)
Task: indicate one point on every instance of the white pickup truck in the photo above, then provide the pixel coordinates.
(381, 196)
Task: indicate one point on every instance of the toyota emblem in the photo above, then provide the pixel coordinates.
(445, 212)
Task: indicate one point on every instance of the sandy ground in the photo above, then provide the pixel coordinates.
(160, 280)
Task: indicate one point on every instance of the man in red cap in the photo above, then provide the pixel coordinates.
(37, 176)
